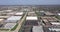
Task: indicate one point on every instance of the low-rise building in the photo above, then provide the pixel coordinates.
(9, 25)
(18, 13)
(37, 29)
(49, 13)
(13, 19)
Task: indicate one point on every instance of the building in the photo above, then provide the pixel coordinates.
(31, 13)
(18, 13)
(13, 19)
(9, 25)
(49, 21)
(49, 13)
(37, 29)
(29, 23)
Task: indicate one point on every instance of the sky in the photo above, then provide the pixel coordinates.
(29, 2)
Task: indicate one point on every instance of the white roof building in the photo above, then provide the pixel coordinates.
(31, 18)
(1, 19)
(55, 23)
(19, 13)
(9, 25)
(42, 11)
(8, 10)
(54, 29)
(48, 13)
(11, 21)
(4, 16)
(14, 18)
(37, 29)
(58, 13)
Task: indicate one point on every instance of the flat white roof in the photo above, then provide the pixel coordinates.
(42, 11)
(4, 16)
(48, 13)
(9, 25)
(31, 18)
(1, 19)
(8, 10)
(19, 13)
(54, 29)
(11, 21)
(37, 29)
(55, 23)
(58, 13)
(14, 18)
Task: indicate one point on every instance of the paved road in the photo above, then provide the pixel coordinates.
(19, 26)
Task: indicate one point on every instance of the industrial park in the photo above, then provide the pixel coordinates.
(29, 18)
